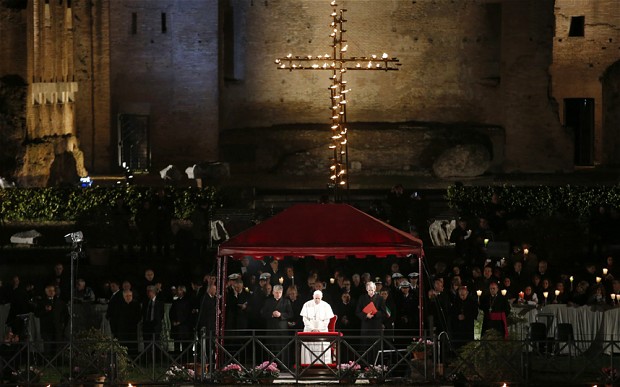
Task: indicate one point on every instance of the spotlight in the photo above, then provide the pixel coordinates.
(74, 237)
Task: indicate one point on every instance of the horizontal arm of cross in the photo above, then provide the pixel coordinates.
(353, 63)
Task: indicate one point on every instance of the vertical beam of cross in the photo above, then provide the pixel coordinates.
(338, 63)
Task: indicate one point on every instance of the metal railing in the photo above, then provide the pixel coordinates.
(522, 361)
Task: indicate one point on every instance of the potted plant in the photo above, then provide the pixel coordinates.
(349, 372)
(375, 373)
(420, 348)
(97, 356)
(230, 374)
(26, 375)
(179, 374)
(266, 372)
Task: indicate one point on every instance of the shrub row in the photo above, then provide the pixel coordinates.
(534, 202)
(69, 204)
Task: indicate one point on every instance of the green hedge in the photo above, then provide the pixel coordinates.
(533, 202)
(54, 204)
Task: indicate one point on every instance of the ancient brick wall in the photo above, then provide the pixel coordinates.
(13, 88)
(463, 61)
(50, 153)
(164, 64)
(91, 25)
(13, 40)
(581, 61)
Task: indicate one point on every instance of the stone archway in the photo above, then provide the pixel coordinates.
(611, 114)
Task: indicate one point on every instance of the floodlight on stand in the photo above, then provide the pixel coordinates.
(74, 237)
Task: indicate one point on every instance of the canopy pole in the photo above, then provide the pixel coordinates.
(421, 296)
(220, 306)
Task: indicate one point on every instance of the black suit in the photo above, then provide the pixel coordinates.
(371, 327)
(207, 314)
(129, 315)
(53, 315)
(278, 326)
(152, 317)
(113, 311)
(180, 319)
(463, 329)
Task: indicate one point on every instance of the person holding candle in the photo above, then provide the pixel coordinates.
(597, 296)
(579, 296)
(560, 295)
(496, 310)
(511, 294)
(529, 296)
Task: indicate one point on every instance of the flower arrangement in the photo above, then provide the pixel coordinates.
(179, 373)
(375, 371)
(231, 371)
(420, 346)
(349, 370)
(611, 374)
(266, 370)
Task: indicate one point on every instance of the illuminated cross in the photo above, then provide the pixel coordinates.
(338, 64)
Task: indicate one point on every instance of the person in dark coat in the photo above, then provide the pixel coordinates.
(496, 310)
(62, 281)
(113, 311)
(208, 311)
(20, 307)
(277, 311)
(255, 304)
(406, 319)
(152, 315)
(463, 314)
(439, 306)
(181, 319)
(53, 315)
(347, 322)
(237, 312)
(371, 321)
(127, 317)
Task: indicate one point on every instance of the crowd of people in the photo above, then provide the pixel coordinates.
(452, 298)
(280, 297)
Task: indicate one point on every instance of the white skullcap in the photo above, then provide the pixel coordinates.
(320, 293)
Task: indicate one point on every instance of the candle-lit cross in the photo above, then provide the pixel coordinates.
(338, 64)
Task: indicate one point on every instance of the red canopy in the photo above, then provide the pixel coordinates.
(321, 230)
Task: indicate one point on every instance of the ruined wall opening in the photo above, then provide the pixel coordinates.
(611, 114)
(577, 26)
(579, 116)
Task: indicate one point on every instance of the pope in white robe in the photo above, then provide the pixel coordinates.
(316, 314)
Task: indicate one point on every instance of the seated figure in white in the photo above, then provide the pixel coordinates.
(316, 314)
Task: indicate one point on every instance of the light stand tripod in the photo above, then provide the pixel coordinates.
(76, 239)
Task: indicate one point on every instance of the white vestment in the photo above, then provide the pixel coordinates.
(316, 318)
